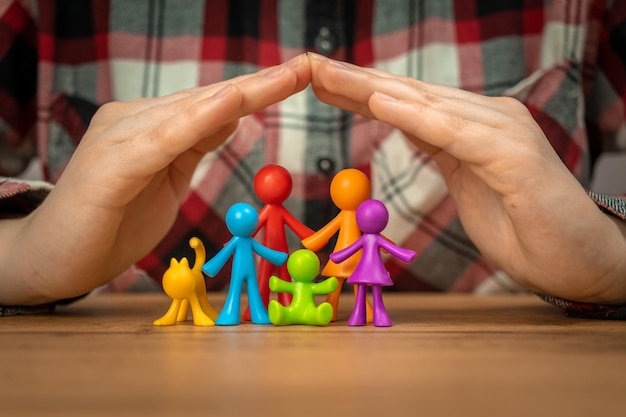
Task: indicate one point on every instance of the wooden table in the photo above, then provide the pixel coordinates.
(446, 355)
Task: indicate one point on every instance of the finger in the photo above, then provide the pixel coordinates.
(286, 79)
(182, 130)
(185, 164)
(332, 77)
(464, 139)
(256, 92)
(350, 87)
(274, 85)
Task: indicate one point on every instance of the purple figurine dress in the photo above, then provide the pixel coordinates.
(372, 217)
(371, 270)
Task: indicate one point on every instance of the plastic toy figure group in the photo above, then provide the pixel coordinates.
(356, 257)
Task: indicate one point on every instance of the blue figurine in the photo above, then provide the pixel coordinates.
(242, 221)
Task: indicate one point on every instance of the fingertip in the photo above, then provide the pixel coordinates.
(382, 97)
(301, 67)
(297, 61)
(379, 103)
(315, 59)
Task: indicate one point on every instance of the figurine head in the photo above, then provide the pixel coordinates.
(349, 188)
(242, 219)
(372, 217)
(303, 265)
(272, 184)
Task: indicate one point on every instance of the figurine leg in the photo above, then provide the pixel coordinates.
(183, 310)
(324, 314)
(169, 318)
(359, 314)
(276, 313)
(258, 312)
(265, 271)
(204, 300)
(229, 316)
(200, 318)
(333, 298)
(381, 318)
(246, 314)
(206, 306)
(369, 312)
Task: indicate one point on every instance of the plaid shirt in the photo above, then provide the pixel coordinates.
(565, 60)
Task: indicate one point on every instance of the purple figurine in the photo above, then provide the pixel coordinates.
(371, 217)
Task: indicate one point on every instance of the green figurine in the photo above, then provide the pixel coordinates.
(303, 266)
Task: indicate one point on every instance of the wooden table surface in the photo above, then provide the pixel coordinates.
(446, 355)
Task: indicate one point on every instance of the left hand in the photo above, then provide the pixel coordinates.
(120, 192)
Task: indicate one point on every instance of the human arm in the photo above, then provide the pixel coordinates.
(517, 201)
(120, 192)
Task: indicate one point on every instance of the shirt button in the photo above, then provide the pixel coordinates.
(325, 41)
(326, 166)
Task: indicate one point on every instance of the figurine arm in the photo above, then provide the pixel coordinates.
(325, 287)
(345, 253)
(319, 239)
(405, 255)
(273, 256)
(262, 220)
(296, 226)
(215, 264)
(279, 285)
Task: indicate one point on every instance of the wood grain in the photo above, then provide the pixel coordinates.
(446, 355)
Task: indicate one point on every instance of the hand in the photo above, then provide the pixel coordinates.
(517, 202)
(120, 193)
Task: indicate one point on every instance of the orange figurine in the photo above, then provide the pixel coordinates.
(273, 185)
(348, 189)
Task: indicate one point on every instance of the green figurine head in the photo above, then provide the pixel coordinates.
(303, 265)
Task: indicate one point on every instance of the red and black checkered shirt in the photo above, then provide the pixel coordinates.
(565, 60)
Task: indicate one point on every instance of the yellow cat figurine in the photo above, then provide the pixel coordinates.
(186, 287)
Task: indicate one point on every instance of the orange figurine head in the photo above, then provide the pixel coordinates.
(349, 188)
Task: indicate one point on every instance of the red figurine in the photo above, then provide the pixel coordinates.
(272, 185)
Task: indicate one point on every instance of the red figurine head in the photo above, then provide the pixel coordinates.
(272, 184)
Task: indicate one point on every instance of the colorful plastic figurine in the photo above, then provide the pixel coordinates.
(304, 266)
(372, 217)
(242, 220)
(186, 287)
(272, 185)
(349, 188)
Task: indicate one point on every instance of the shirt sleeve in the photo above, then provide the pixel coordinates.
(605, 118)
(615, 206)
